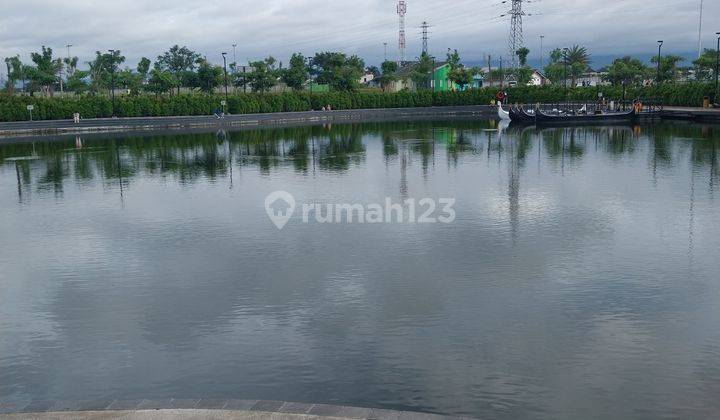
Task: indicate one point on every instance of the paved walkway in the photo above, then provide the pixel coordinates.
(692, 114)
(176, 409)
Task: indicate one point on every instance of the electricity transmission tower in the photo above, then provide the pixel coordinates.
(425, 26)
(401, 11)
(516, 41)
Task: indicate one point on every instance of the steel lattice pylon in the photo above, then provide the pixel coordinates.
(401, 10)
(516, 41)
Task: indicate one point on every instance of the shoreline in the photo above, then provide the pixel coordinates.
(19, 131)
(201, 408)
(279, 119)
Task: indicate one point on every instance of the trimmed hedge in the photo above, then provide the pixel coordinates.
(13, 108)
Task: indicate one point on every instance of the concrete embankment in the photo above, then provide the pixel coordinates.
(711, 115)
(175, 409)
(54, 127)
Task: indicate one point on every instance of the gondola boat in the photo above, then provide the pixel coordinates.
(544, 118)
(519, 115)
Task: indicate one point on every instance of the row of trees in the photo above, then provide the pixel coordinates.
(573, 62)
(175, 69)
(180, 67)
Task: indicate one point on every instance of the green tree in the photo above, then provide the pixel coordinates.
(422, 73)
(522, 54)
(555, 69)
(161, 82)
(462, 76)
(143, 69)
(71, 64)
(44, 75)
(459, 74)
(264, 75)
(522, 75)
(209, 77)
(578, 60)
(705, 65)
(389, 74)
(102, 70)
(337, 70)
(77, 82)
(627, 70)
(14, 71)
(176, 61)
(668, 67)
(297, 73)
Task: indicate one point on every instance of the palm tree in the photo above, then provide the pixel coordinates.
(577, 59)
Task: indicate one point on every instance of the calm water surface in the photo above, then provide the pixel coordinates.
(581, 278)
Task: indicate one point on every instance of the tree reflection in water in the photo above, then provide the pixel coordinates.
(44, 166)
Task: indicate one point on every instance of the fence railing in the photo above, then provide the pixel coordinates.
(594, 107)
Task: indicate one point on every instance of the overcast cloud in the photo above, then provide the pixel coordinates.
(280, 27)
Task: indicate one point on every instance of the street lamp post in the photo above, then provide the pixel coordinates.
(659, 57)
(234, 63)
(67, 68)
(717, 67)
(224, 56)
(565, 62)
(112, 79)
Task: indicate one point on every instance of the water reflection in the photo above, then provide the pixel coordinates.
(45, 166)
(580, 276)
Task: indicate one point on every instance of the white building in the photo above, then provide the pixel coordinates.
(538, 79)
(367, 78)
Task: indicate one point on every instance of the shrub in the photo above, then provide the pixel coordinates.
(13, 108)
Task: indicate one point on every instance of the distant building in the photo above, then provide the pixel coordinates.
(439, 82)
(538, 79)
(367, 78)
(592, 78)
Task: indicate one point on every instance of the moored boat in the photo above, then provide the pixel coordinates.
(569, 118)
(519, 115)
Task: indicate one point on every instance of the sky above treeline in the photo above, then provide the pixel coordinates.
(280, 27)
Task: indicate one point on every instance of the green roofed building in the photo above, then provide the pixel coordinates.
(439, 82)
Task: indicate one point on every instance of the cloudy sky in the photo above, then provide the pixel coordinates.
(280, 27)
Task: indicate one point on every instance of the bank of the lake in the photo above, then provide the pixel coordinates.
(15, 108)
(15, 130)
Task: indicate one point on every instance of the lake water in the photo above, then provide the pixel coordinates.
(580, 278)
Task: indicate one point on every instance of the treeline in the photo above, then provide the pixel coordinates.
(13, 108)
(175, 69)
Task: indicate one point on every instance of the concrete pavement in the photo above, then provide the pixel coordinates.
(181, 409)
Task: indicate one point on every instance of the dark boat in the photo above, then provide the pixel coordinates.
(568, 118)
(519, 115)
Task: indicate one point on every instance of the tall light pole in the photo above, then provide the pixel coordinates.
(112, 79)
(659, 57)
(68, 57)
(717, 67)
(700, 30)
(66, 66)
(542, 53)
(385, 45)
(226, 80)
(565, 61)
